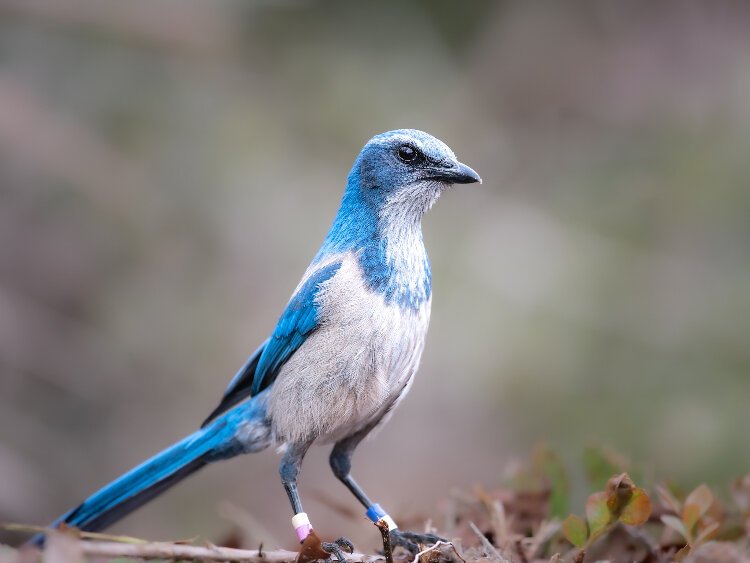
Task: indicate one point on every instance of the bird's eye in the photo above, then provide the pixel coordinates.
(407, 153)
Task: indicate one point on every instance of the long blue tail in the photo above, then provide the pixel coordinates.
(241, 430)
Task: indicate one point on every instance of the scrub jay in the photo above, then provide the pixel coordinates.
(343, 353)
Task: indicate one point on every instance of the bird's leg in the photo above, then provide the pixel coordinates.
(289, 468)
(341, 464)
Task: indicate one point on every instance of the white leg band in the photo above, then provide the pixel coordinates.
(388, 520)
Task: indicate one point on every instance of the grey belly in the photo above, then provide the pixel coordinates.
(346, 376)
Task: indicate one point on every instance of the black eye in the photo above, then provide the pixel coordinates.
(407, 153)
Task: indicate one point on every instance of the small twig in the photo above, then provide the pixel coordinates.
(520, 551)
(78, 533)
(386, 535)
(545, 533)
(579, 557)
(499, 522)
(172, 551)
(157, 550)
(488, 547)
(437, 547)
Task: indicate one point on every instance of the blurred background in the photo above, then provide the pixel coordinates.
(169, 168)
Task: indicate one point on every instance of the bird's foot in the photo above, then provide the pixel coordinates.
(313, 549)
(337, 549)
(411, 541)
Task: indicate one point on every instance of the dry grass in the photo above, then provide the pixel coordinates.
(524, 521)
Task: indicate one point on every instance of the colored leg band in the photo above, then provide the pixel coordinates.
(302, 526)
(377, 514)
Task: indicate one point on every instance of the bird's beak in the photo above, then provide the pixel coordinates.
(459, 173)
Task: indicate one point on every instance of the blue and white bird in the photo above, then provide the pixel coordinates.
(344, 352)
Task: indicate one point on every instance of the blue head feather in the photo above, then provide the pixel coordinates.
(396, 178)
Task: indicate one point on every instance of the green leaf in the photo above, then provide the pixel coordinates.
(597, 512)
(638, 508)
(619, 491)
(601, 463)
(575, 530)
(676, 524)
(696, 505)
(691, 513)
(548, 463)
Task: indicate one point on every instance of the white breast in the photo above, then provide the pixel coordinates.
(351, 370)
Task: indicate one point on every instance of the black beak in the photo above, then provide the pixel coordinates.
(459, 174)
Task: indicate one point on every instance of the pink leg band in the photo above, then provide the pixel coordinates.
(302, 526)
(303, 531)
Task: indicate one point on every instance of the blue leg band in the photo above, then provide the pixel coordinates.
(375, 512)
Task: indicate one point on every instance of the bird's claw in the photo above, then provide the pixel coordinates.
(336, 547)
(412, 540)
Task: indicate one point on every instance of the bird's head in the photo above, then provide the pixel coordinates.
(405, 170)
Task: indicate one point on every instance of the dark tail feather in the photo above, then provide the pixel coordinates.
(153, 477)
(117, 500)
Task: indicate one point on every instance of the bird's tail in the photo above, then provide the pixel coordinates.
(241, 430)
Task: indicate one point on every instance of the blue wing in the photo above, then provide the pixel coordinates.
(297, 322)
(239, 387)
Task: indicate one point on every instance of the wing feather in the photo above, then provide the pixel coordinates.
(297, 322)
